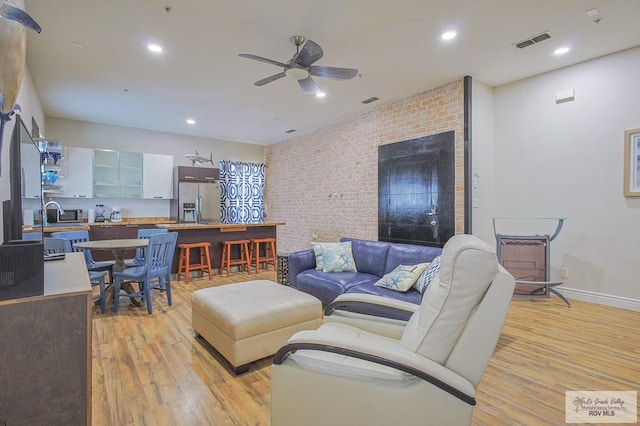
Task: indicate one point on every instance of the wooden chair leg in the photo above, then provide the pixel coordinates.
(208, 255)
(187, 263)
(180, 263)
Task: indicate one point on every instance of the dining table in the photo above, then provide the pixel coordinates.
(118, 247)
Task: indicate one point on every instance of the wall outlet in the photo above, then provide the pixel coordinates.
(564, 272)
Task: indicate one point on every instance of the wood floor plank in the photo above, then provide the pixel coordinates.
(151, 370)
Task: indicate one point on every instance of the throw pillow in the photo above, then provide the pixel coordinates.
(428, 275)
(317, 251)
(402, 278)
(337, 257)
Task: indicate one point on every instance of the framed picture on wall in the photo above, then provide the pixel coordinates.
(632, 163)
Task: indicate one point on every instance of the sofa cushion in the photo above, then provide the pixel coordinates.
(429, 274)
(402, 278)
(370, 256)
(338, 257)
(408, 254)
(318, 251)
(326, 286)
(411, 295)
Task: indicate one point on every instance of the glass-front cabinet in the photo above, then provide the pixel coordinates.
(117, 174)
(130, 175)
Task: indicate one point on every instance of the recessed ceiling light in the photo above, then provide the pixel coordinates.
(155, 48)
(320, 94)
(191, 121)
(76, 44)
(449, 35)
(561, 51)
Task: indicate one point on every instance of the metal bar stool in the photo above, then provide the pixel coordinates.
(269, 253)
(184, 264)
(243, 260)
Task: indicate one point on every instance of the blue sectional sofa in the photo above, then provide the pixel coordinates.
(373, 260)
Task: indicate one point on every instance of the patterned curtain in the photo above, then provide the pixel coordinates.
(242, 192)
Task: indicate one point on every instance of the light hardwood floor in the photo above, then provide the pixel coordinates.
(151, 370)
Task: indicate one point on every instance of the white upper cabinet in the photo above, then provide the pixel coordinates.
(78, 173)
(157, 179)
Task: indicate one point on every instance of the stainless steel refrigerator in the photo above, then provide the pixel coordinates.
(196, 202)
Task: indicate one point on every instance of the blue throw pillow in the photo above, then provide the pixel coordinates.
(428, 275)
(337, 257)
(402, 278)
(317, 251)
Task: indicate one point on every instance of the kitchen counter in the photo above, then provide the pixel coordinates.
(85, 226)
(223, 227)
(216, 233)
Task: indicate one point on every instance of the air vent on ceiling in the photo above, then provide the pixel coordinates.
(371, 99)
(533, 40)
(290, 131)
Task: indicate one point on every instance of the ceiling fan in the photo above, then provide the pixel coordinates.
(300, 67)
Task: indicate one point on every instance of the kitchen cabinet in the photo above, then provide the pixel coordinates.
(198, 173)
(111, 232)
(117, 174)
(157, 181)
(78, 173)
(130, 175)
(31, 173)
(46, 350)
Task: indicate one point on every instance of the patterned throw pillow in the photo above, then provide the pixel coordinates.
(337, 257)
(428, 276)
(402, 278)
(317, 251)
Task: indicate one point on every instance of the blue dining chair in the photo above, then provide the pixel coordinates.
(81, 236)
(54, 245)
(61, 245)
(155, 274)
(32, 236)
(144, 234)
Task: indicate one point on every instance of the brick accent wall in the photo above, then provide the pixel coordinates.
(324, 184)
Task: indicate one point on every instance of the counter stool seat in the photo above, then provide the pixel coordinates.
(269, 257)
(184, 264)
(243, 261)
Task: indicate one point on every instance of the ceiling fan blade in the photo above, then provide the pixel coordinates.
(269, 79)
(308, 86)
(261, 59)
(333, 73)
(310, 53)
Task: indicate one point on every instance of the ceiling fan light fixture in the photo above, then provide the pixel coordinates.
(297, 73)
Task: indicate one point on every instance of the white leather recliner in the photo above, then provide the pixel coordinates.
(357, 369)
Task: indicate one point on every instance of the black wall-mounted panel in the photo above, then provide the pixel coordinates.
(416, 187)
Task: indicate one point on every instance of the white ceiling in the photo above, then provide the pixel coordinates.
(395, 45)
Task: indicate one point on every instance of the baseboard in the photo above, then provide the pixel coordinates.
(600, 298)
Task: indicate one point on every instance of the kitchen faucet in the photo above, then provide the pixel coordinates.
(58, 213)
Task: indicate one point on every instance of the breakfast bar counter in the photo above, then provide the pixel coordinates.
(216, 233)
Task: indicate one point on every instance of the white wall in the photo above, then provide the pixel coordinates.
(92, 135)
(482, 160)
(567, 160)
(30, 103)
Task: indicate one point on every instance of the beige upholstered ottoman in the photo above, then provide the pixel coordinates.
(252, 320)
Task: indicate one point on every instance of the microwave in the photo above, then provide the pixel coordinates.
(68, 216)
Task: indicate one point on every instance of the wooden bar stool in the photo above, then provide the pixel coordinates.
(243, 260)
(184, 264)
(269, 253)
